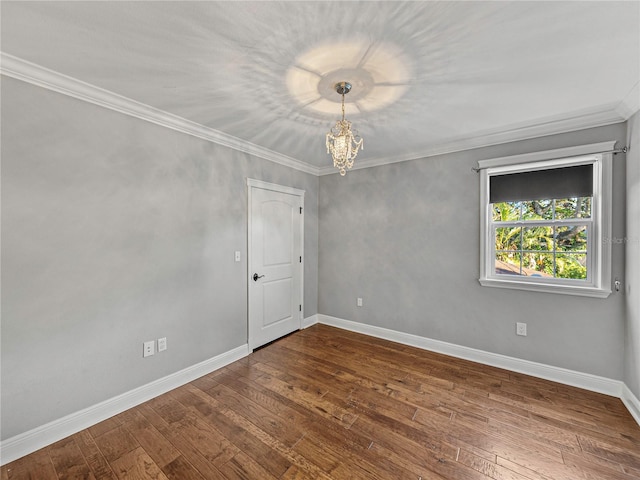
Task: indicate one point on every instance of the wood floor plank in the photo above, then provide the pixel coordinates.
(213, 445)
(180, 469)
(137, 465)
(348, 459)
(329, 404)
(524, 471)
(487, 468)
(257, 414)
(105, 426)
(232, 430)
(242, 466)
(310, 400)
(611, 437)
(412, 446)
(278, 449)
(634, 472)
(68, 460)
(294, 473)
(93, 456)
(595, 470)
(116, 442)
(529, 428)
(37, 466)
(155, 444)
(531, 455)
(275, 403)
(317, 452)
(192, 453)
(610, 451)
(416, 464)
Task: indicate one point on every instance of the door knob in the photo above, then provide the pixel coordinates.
(256, 277)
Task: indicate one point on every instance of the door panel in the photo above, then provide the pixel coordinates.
(275, 251)
(277, 295)
(277, 235)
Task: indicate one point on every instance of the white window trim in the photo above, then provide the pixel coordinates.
(599, 283)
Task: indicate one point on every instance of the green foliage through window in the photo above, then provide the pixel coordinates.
(542, 237)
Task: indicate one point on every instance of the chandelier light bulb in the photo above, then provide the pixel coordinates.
(342, 143)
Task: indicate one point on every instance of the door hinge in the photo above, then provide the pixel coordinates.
(300, 210)
(300, 259)
(300, 307)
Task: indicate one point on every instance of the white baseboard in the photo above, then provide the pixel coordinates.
(631, 402)
(28, 442)
(307, 322)
(556, 374)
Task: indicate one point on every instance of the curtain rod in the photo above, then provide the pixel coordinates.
(615, 152)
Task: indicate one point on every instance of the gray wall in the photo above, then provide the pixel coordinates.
(116, 231)
(405, 238)
(632, 244)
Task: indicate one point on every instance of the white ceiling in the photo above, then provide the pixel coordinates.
(428, 77)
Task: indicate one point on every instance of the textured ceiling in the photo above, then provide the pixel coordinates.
(426, 75)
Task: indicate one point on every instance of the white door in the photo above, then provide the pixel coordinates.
(275, 261)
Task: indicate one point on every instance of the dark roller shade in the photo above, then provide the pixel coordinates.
(562, 182)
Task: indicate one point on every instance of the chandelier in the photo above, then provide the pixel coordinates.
(342, 143)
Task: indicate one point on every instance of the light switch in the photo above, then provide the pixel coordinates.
(237, 255)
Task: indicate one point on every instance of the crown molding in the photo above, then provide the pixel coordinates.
(605, 115)
(631, 103)
(34, 74)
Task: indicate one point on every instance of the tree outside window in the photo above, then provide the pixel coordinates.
(554, 249)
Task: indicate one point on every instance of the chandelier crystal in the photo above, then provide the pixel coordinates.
(342, 143)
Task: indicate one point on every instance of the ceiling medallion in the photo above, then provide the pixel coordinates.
(380, 74)
(342, 143)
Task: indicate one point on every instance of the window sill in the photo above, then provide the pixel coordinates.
(547, 288)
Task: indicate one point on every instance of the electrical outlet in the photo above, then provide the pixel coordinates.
(521, 329)
(162, 344)
(148, 348)
(359, 302)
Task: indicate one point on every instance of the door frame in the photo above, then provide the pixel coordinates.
(254, 183)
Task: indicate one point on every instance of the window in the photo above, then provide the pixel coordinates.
(545, 221)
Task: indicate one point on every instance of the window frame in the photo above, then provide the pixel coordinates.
(598, 282)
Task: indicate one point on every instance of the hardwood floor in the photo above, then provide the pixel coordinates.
(324, 403)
